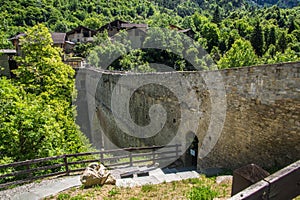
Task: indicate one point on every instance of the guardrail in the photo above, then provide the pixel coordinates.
(284, 184)
(29, 170)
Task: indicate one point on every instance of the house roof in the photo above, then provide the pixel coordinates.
(58, 38)
(115, 23)
(18, 36)
(79, 28)
(172, 26)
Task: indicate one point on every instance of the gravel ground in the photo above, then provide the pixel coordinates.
(10, 193)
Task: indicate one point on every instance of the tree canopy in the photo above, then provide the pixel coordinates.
(37, 118)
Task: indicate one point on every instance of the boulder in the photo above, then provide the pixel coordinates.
(94, 174)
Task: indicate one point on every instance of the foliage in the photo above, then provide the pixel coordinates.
(217, 24)
(36, 118)
(240, 54)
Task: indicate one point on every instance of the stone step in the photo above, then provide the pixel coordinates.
(188, 174)
(156, 176)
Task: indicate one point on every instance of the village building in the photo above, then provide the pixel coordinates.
(81, 34)
(112, 28)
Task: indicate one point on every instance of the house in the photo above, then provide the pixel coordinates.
(16, 42)
(112, 28)
(81, 34)
(6, 62)
(128, 26)
(115, 26)
(59, 40)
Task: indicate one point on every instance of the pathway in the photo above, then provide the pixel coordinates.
(45, 188)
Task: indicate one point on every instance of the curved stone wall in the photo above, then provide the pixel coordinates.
(262, 124)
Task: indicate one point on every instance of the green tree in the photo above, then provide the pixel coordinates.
(240, 54)
(272, 36)
(216, 16)
(282, 42)
(211, 33)
(257, 39)
(41, 68)
(36, 117)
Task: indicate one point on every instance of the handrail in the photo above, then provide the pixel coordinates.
(29, 170)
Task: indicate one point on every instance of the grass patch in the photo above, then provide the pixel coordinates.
(199, 188)
(202, 192)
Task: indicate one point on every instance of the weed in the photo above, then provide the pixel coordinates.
(63, 196)
(134, 198)
(174, 184)
(148, 188)
(77, 197)
(113, 192)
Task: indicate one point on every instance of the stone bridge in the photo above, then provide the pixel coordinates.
(239, 116)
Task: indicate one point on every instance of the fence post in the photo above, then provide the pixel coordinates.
(130, 158)
(66, 164)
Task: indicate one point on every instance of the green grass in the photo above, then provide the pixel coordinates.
(201, 188)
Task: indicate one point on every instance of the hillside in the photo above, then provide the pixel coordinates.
(271, 33)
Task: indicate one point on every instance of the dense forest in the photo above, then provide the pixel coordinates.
(223, 28)
(235, 33)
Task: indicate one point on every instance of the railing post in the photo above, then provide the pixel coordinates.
(101, 157)
(28, 168)
(153, 156)
(66, 164)
(130, 158)
(177, 148)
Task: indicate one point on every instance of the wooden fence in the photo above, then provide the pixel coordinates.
(284, 184)
(29, 170)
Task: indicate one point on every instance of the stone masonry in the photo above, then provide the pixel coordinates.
(262, 123)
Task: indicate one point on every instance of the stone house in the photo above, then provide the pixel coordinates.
(112, 28)
(81, 34)
(59, 40)
(115, 26)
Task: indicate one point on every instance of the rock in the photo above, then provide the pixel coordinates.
(94, 174)
(110, 180)
(224, 179)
